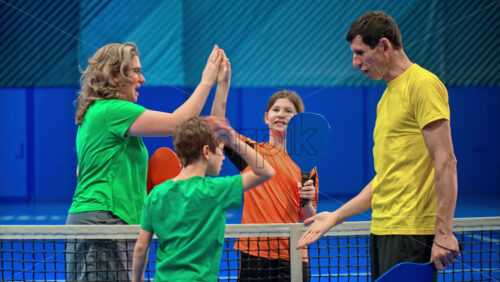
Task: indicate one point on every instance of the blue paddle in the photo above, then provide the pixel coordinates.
(409, 272)
(307, 142)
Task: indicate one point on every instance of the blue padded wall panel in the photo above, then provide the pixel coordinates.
(342, 172)
(351, 111)
(13, 144)
(54, 144)
(475, 125)
(166, 99)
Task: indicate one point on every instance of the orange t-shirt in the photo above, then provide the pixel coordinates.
(274, 201)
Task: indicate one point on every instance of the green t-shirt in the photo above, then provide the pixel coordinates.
(189, 217)
(112, 165)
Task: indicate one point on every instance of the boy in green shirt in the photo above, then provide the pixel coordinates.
(188, 212)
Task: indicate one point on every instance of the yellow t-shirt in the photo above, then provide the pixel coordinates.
(404, 200)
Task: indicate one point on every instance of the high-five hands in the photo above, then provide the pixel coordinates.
(224, 76)
(211, 71)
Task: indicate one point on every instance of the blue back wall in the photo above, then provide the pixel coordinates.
(37, 130)
(299, 45)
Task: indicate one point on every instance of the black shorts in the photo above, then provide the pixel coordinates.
(264, 269)
(388, 250)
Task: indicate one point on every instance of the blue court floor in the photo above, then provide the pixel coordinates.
(50, 214)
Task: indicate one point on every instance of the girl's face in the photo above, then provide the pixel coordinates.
(279, 115)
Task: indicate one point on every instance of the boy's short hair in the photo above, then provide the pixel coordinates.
(372, 26)
(189, 138)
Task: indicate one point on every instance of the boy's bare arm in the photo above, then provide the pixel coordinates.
(140, 255)
(223, 83)
(261, 169)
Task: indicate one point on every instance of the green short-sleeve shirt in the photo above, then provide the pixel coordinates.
(112, 165)
(189, 217)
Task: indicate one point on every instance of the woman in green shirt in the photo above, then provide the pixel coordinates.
(112, 158)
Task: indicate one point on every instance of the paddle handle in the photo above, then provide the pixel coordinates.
(305, 177)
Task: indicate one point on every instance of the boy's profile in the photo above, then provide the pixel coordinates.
(188, 212)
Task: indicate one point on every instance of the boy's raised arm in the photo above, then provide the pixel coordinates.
(261, 169)
(223, 83)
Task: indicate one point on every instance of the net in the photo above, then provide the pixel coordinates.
(41, 253)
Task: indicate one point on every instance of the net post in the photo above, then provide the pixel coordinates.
(295, 255)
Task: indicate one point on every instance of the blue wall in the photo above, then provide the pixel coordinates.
(37, 135)
(270, 44)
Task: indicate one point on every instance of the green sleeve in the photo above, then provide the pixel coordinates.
(228, 191)
(120, 115)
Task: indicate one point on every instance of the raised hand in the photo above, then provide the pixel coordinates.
(224, 76)
(221, 128)
(322, 223)
(223, 81)
(211, 70)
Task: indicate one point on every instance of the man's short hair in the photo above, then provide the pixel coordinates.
(372, 26)
(190, 137)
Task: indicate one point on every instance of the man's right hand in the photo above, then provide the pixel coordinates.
(322, 223)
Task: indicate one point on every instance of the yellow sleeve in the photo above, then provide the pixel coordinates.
(429, 100)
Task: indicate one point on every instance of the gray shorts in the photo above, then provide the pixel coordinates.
(98, 260)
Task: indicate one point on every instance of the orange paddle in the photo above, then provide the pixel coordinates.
(162, 166)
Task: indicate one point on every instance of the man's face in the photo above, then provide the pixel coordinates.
(372, 62)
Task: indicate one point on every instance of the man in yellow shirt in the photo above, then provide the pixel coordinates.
(414, 191)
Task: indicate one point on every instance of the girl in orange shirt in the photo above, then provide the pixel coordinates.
(278, 199)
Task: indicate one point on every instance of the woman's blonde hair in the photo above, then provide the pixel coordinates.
(97, 79)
